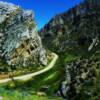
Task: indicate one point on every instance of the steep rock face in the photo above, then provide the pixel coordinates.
(20, 44)
(77, 28)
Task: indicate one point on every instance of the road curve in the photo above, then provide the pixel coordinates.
(31, 75)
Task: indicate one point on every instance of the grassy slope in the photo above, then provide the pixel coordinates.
(18, 95)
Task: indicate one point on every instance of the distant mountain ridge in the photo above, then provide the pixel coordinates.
(73, 27)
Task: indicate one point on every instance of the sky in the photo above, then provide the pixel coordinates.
(44, 10)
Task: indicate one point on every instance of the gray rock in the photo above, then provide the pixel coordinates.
(42, 56)
(20, 43)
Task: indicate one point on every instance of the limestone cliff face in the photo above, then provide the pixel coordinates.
(76, 28)
(20, 43)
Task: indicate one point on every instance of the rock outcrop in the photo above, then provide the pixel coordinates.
(20, 44)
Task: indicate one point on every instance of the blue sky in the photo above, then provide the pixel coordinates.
(45, 9)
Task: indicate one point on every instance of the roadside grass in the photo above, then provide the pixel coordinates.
(29, 90)
(51, 79)
(19, 95)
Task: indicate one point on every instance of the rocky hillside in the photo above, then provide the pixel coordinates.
(82, 79)
(20, 44)
(75, 36)
(77, 28)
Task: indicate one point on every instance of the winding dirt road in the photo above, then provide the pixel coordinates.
(29, 76)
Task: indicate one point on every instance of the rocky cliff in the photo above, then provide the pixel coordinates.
(20, 44)
(76, 28)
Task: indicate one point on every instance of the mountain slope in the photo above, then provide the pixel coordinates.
(75, 36)
(77, 28)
